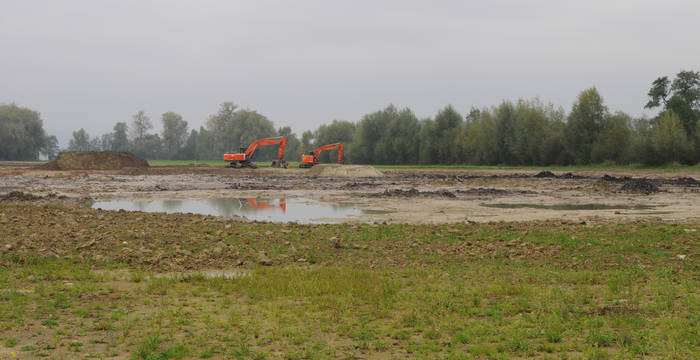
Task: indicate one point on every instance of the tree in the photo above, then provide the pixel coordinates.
(585, 123)
(687, 86)
(140, 125)
(669, 140)
(22, 135)
(367, 147)
(658, 92)
(682, 96)
(50, 149)
(439, 137)
(614, 141)
(294, 150)
(120, 140)
(80, 141)
(174, 133)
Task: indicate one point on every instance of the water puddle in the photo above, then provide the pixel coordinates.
(564, 207)
(301, 210)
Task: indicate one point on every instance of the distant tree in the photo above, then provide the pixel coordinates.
(293, 152)
(641, 148)
(614, 141)
(216, 127)
(106, 142)
(120, 140)
(658, 92)
(439, 137)
(174, 134)
(50, 149)
(585, 122)
(148, 147)
(682, 96)
(22, 135)
(307, 139)
(140, 125)
(401, 142)
(367, 147)
(80, 141)
(669, 139)
(189, 149)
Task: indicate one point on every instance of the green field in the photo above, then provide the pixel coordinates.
(546, 290)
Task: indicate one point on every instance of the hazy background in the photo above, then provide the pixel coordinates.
(93, 63)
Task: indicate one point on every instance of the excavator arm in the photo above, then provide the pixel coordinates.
(312, 158)
(338, 146)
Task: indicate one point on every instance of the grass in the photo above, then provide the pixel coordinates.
(492, 291)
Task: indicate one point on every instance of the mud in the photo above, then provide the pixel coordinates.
(51, 198)
(398, 196)
(640, 186)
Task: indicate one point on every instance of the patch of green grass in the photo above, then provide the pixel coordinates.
(11, 342)
(498, 291)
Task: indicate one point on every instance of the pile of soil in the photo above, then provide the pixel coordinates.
(413, 192)
(51, 198)
(350, 171)
(640, 186)
(19, 196)
(545, 174)
(95, 160)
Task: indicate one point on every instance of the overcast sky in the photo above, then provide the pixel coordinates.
(93, 63)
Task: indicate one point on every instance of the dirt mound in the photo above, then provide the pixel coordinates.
(412, 192)
(95, 160)
(545, 174)
(19, 196)
(640, 186)
(351, 171)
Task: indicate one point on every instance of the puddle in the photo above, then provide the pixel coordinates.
(301, 210)
(564, 207)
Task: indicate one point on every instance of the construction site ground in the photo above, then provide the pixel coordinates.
(459, 264)
(399, 196)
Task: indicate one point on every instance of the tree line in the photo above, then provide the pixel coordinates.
(524, 132)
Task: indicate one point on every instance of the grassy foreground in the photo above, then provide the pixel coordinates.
(486, 291)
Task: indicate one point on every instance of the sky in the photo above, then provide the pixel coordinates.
(89, 64)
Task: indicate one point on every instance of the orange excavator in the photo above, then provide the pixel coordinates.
(311, 159)
(245, 157)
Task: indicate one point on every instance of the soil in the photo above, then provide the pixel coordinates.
(398, 196)
(95, 160)
(351, 171)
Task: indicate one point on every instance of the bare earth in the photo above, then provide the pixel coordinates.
(403, 196)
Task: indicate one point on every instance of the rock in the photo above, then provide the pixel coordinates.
(335, 242)
(87, 244)
(263, 259)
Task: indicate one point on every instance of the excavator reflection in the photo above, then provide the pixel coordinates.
(255, 204)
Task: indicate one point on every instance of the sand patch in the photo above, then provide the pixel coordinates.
(349, 171)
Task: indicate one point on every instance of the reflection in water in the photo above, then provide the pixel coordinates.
(278, 210)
